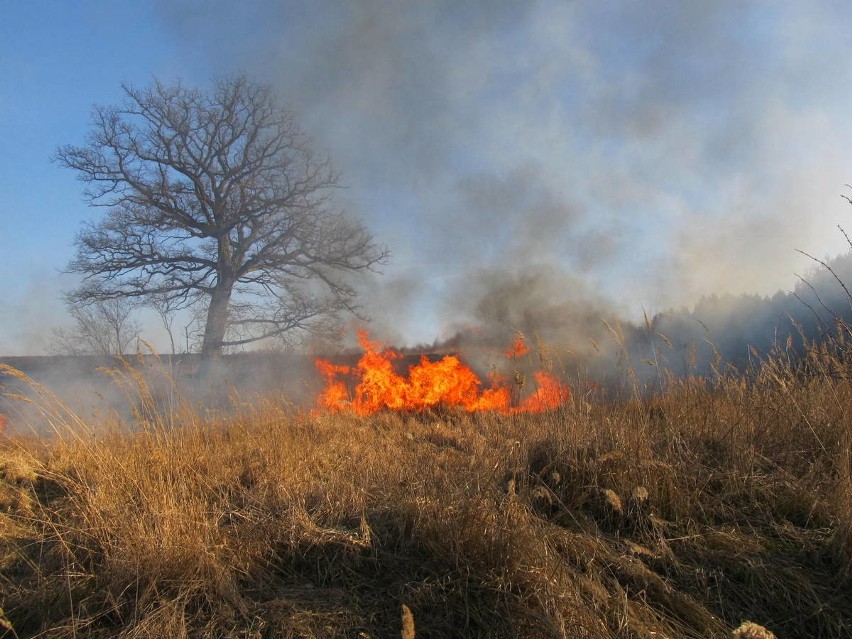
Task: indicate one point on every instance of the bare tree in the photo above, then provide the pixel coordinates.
(167, 308)
(105, 327)
(215, 198)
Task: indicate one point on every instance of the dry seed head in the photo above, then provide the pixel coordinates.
(543, 495)
(407, 623)
(365, 531)
(638, 549)
(640, 494)
(750, 630)
(613, 500)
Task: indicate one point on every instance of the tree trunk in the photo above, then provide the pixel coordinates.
(217, 318)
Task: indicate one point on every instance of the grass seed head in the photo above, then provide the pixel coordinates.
(751, 630)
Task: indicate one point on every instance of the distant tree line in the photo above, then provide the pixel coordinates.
(733, 330)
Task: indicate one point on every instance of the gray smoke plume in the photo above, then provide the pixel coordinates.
(651, 153)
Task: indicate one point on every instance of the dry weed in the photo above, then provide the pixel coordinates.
(678, 517)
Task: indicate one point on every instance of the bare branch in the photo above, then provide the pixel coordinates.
(214, 194)
(104, 328)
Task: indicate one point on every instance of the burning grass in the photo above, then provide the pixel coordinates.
(683, 515)
(446, 383)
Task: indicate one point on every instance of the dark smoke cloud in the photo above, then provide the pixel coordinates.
(542, 302)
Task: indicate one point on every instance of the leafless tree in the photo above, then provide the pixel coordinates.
(167, 308)
(105, 327)
(215, 198)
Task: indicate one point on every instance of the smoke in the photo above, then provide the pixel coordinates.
(32, 307)
(543, 167)
(649, 154)
(97, 394)
(547, 303)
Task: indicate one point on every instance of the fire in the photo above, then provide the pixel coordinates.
(446, 382)
(549, 394)
(519, 347)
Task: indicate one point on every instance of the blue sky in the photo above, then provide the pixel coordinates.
(57, 59)
(632, 154)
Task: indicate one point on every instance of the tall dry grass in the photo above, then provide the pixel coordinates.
(684, 514)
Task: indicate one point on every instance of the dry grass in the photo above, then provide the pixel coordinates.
(678, 516)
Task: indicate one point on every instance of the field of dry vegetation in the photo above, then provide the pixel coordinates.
(686, 514)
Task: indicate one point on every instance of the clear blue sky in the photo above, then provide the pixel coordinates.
(646, 153)
(57, 59)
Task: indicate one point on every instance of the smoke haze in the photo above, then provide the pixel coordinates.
(580, 159)
(538, 165)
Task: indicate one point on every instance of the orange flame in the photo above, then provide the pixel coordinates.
(519, 348)
(549, 394)
(446, 382)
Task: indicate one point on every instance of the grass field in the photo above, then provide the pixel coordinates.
(679, 515)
